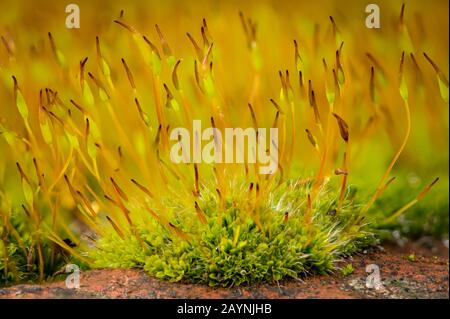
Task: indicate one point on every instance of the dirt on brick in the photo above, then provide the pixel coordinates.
(416, 270)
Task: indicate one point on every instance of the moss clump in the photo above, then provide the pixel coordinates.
(26, 255)
(234, 250)
(428, 217)
(347, 270)
(93, 144)
(28, 252)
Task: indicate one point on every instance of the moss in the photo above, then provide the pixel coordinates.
(347, 270)
(26, 252)
(235, 250)
(89, 145)
(19, 261)
(428, 217)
